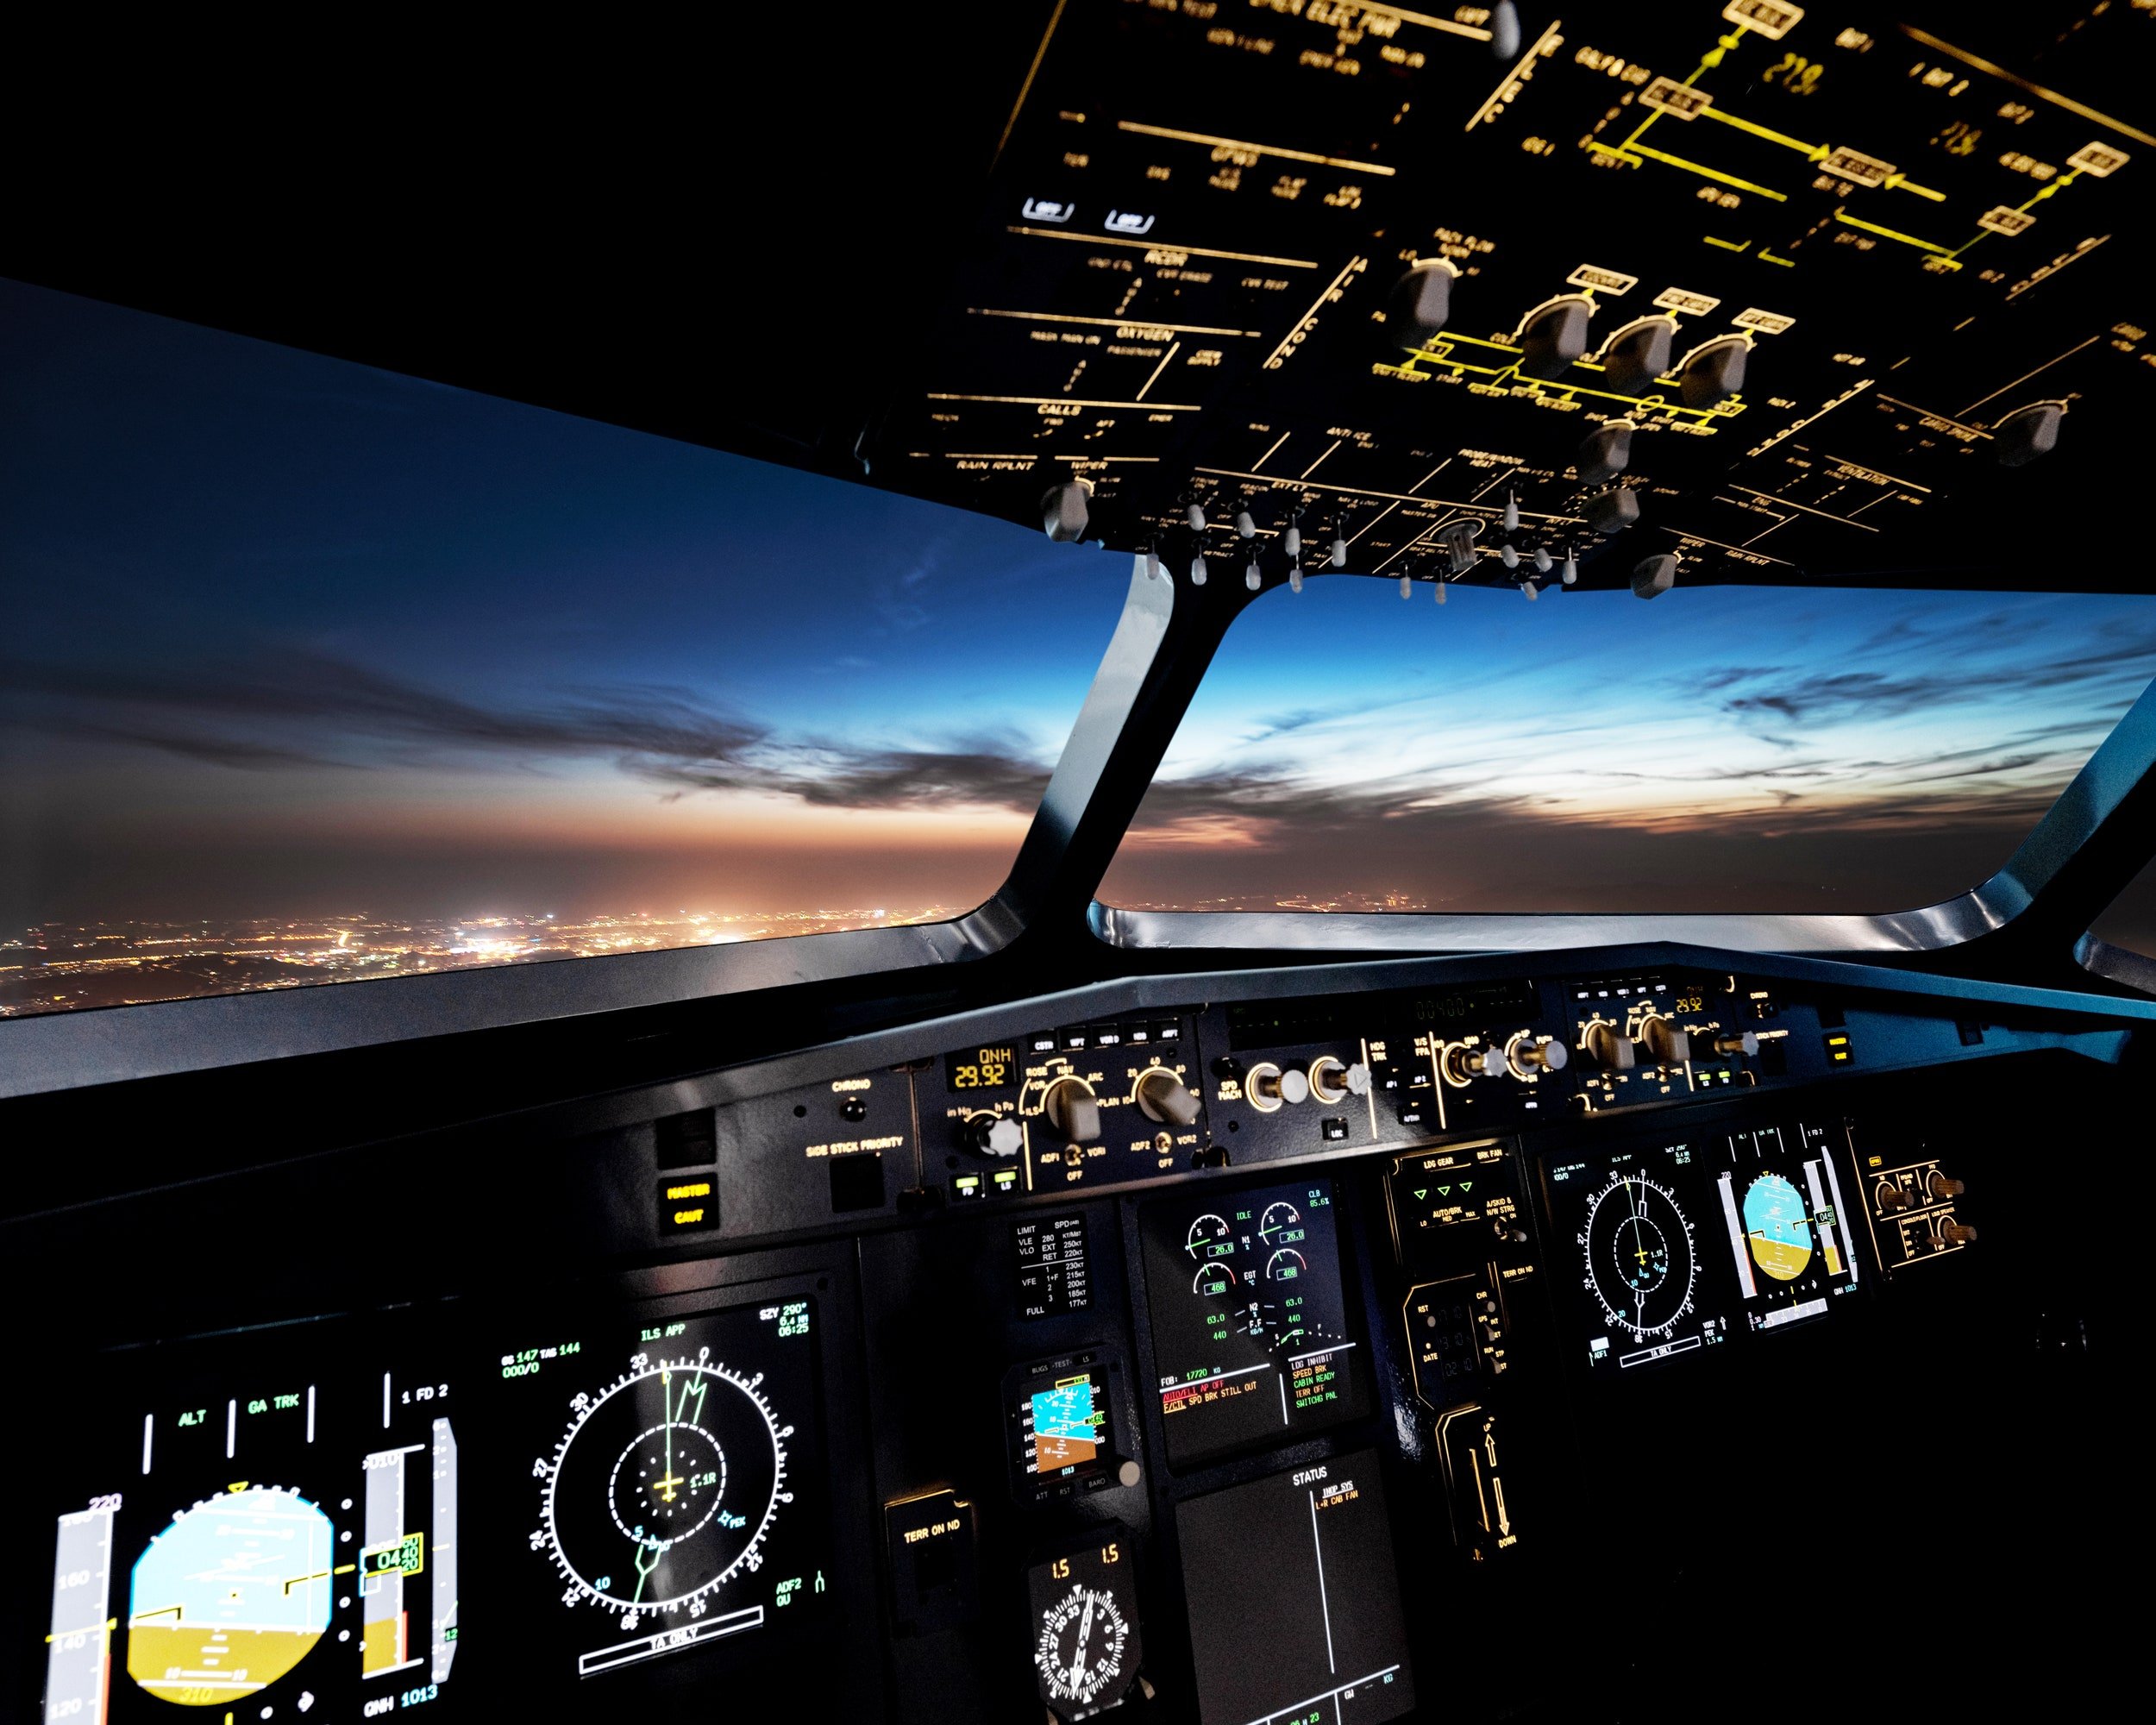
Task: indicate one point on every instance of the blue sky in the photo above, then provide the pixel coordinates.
(285, 635)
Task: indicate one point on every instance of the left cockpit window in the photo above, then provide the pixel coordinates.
(312, 672)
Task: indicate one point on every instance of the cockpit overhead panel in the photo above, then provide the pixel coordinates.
(1777, 293)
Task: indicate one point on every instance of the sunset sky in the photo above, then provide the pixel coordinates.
(287, 636)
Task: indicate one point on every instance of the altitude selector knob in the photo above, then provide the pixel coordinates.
(1163, 1097)
(992, 1135)
(1611, 1048)
(1530, 1057)
(1073, 1111)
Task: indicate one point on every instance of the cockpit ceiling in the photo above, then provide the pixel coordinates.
(1861, 283)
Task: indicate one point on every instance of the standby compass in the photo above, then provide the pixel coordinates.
(1086, 1644)
(664, 1487)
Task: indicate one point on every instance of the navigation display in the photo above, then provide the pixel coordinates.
(1250, 1319)
(1294, 1602)
(675, 1495)
(262, 1529)
(1675, 1245)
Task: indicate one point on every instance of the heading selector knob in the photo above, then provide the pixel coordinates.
(1335, 1080)
(1073, 1110)
(1463, 1062)
(1269, 1086)
(1163, 1097)
(1665, 1042)
(1611, 1049)
(996, 1135)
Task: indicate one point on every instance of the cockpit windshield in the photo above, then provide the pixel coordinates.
(1754, 750)
(314, 673)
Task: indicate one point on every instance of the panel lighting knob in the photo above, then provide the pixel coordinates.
(1073, 1110)
(1335, 1080)
(1670, 1045)
(1891, 1197)
(1613, 1051)
(1942, 1186)
(1951, 1233)
(1529, 1057)
(1464, 1063)
(1639, 353)
(2028, 432)
(1714, 372)
(1164, 1097)
(1269, 1084)
(1737, 1042)
(996, 1135)
(1555, 337)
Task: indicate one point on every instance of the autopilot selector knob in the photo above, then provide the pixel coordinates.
(1666, 1041)
(1611, 1048)
(1073, 1111)
(1163, 1097)
(991, 1135)
(1464, 1062)
(1269, 1086)
(1334, 1081)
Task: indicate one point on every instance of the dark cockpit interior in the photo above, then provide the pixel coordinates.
(1219, 862)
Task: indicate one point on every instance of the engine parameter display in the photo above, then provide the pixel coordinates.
(1250, 1319)
(1294, 1602)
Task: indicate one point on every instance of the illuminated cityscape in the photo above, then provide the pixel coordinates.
(56, 968)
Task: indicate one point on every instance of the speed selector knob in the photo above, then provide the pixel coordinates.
(1463, 1062)
(1611, 1049)
(1335, 1080)
(1073, 1111)
(1669, 1045)
(996, 1135)
(1271, 1086)
(1163, 1097)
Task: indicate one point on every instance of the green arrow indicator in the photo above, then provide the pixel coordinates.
(1422, 1192)
(1444, 1191)
(1467, 1185)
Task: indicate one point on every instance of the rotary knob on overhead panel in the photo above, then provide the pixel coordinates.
(1421, 303)
(1665, 1039)
(1464, 1063)
(1714, 372)
(1163, 1097)
(1605, 452)
(1073, 1111)
(1609, 512)
(1639, 353)
(991, 1135)
(1269, 1086)
(1335, 1080)
(1554, 336)
(2028, 432)
(1610, 1048)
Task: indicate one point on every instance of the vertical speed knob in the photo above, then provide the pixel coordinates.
(1073, 1111)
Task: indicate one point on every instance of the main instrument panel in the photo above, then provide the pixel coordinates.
(1175, 1355)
